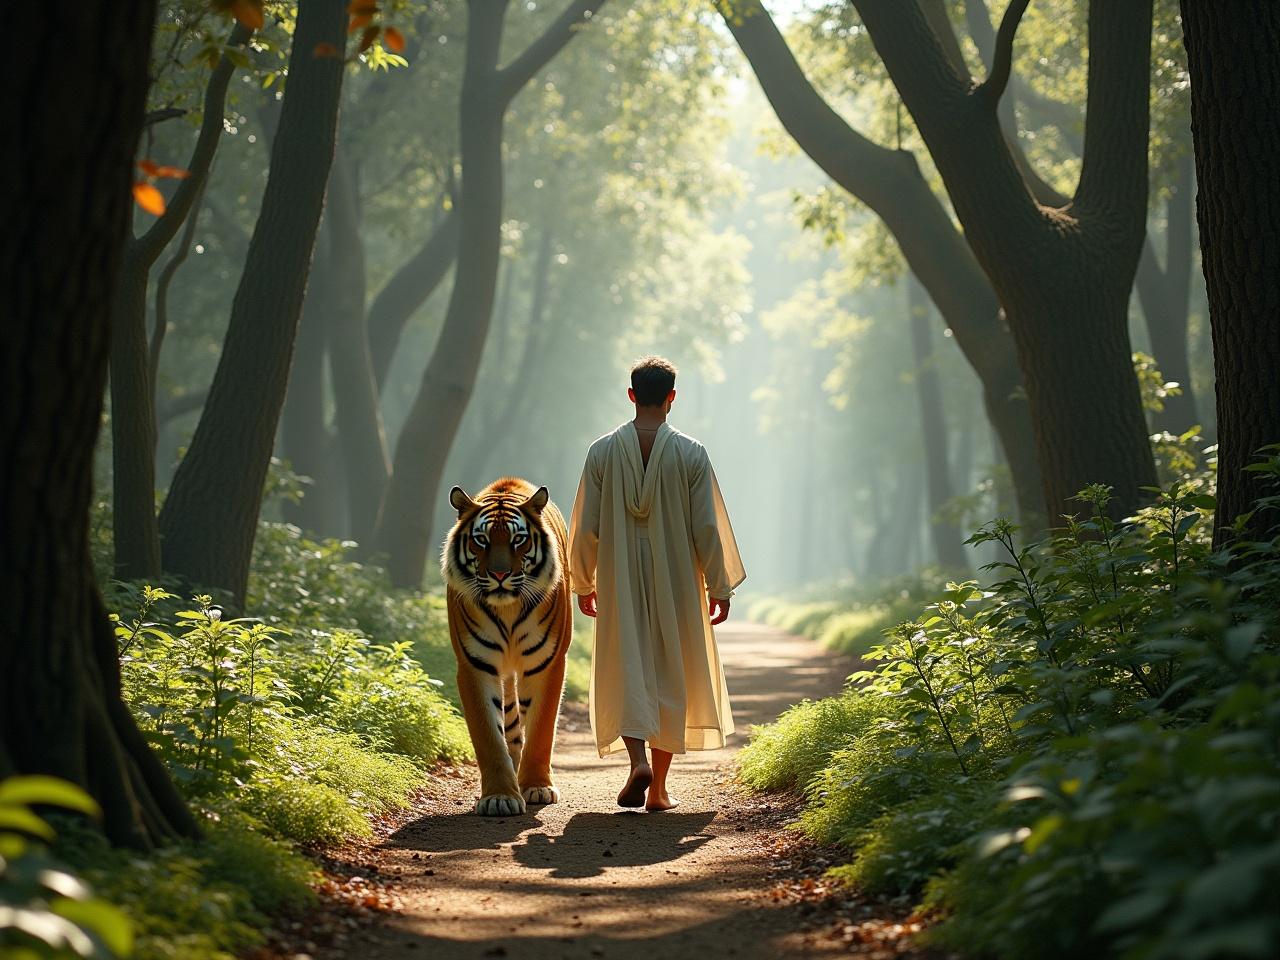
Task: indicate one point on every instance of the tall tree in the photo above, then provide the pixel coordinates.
(889, 181)
(210, 516)
(1233, 51)
(948, 542)
(65, 201)
(1063, 274)
(404, 531)
(133, 427)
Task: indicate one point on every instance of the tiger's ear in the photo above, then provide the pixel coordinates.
(538, 500)
(461, 502)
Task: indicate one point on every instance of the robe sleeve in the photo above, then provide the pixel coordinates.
(713, 538)
(584, 528)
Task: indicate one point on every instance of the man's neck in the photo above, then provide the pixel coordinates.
(651, 417)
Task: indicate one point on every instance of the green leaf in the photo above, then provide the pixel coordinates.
(23, 820)
(1131, 911)
(27, 790)
(107, 922)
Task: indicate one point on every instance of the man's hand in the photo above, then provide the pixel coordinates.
(718, 609)
(587, 603)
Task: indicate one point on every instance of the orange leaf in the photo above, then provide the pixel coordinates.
(362, 6)
(394, 40)
(148, 198)
(366, 39)
(176, 173)
(148, 167)
(248, 12)
(325, 50)
(358, 21)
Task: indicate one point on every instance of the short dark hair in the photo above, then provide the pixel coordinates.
(652, 379)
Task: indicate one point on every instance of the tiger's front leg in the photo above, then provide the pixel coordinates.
(481, 696)
(540, 695)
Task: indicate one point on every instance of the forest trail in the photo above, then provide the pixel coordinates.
(585, 879)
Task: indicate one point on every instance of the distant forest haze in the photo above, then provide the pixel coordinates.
(753, 199)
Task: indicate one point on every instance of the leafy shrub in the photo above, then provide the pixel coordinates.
(1081, 758)
(46, 911)
(788, 754)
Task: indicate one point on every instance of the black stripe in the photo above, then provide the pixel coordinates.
(516, 739)
(514, 722)
(508, 708)
(543, 665)
(486, 643)
(542, 621)
(497, 702)
(525, 702)
(502, 627)
(537, 646)
(478, 663)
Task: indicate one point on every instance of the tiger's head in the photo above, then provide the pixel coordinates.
(500, 551)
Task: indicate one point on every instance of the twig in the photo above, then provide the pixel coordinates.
(1002, 60)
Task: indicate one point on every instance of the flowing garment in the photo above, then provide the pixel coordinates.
(652, 542)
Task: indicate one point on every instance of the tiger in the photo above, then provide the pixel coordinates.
(505, 566)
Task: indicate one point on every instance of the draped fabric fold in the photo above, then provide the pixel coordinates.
(653, 542)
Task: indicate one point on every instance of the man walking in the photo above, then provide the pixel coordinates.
(652, 556)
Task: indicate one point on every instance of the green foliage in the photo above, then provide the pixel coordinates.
(46, 911)
(1079, 758)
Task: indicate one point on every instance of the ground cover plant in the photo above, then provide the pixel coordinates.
(1079, 757)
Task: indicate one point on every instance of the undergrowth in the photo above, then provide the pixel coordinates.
(1080, 757)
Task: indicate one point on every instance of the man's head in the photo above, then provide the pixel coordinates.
(653, 383)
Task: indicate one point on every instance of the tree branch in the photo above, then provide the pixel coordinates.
(151, 243)
(162, 291)
(512, 78)
(1002, 57)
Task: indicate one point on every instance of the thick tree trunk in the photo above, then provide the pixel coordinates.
(1165, 296)
(404, 529)
(891, 184)
(948, 542)
(133, 426)
(65, 202)
(407, 290)
(1063, 276)
(1233, 51)
(210, 517)
(361, 437)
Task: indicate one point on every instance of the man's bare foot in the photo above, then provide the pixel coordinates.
(632, 794)
(660, 800)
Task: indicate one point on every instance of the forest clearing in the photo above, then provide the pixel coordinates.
(365, 571)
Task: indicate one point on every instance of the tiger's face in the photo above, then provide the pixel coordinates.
(498, 550)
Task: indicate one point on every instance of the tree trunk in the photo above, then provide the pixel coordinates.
(407, 290)
(361, 437)
(305, 440)
(1232, 52)
(1165, 296)
(1064, 275)
(210, 517)
(66, 205)
(948, 542)
(891, 184)
(133, 426)
(404, 529)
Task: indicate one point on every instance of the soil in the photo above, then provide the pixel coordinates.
(720, 876)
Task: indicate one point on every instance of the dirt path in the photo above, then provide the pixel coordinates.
(585, 879)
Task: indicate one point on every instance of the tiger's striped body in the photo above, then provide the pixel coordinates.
(505, 564)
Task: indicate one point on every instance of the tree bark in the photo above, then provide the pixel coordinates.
(210, 517)
(361, 437)
(133, 426)
(407, 290)
(891, 184)
(1233, 52)
(65, 202)
(1063, 276)
(948, 542)
(404, 529)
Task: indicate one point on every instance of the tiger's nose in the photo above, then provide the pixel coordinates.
(499, 575)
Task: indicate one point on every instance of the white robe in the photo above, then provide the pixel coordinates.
(652, 543)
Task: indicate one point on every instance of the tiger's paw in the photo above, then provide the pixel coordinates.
(539, 795)
(499, 805)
